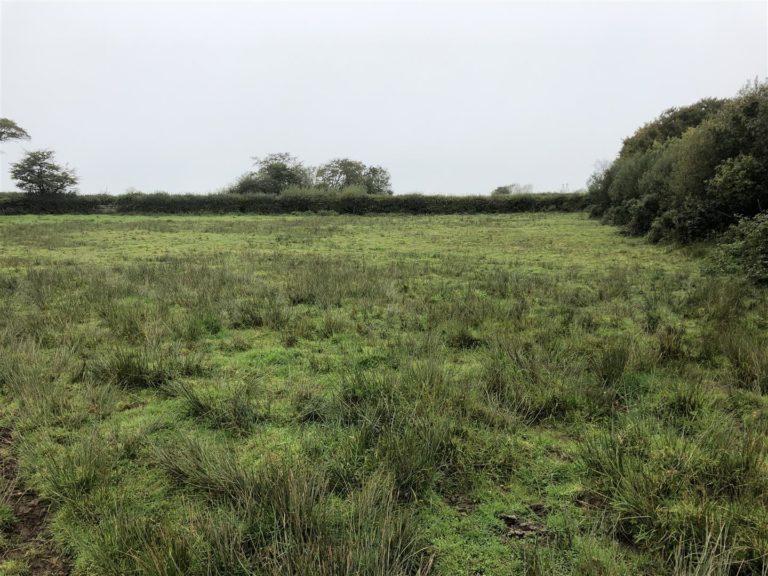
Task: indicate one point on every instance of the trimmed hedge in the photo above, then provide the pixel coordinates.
(162, 203)
(15, 203)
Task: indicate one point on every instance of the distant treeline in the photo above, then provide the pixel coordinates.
(691, 173)
(308, 201)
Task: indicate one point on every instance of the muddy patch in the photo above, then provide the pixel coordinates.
(26, 546)
(517, 528)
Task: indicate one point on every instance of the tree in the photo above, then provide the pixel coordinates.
(377, 180)
(9, 130)
(342, 172)
(276, 172)
(38, 174)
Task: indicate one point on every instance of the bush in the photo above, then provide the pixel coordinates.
(745, 248)
(12, 203)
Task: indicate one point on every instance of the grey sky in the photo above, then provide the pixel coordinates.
(453, 98)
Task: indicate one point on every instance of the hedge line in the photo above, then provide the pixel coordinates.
(161, 203)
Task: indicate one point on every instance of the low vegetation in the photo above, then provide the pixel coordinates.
(351, 200)
(290, 395)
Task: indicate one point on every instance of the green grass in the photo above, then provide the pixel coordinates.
(380, 395)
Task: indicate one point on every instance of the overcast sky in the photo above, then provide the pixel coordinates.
(452, 98)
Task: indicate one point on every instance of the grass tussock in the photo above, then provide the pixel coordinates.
(234, 407)
(535, 384)
(667, 492)
(150, 365)
(69, 474)
(287, 510)
(748, 357)
(35, 378)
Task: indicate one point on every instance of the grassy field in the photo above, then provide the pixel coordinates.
(339, 395)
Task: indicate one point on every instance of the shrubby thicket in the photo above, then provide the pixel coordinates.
(691, 173)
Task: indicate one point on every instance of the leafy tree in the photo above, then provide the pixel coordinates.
(281, 170)
(248, 184)
(38, 174)
(9, 130)
(343, 172)
(740, 185)
(279, 173)
(377, 181)
(274, 173)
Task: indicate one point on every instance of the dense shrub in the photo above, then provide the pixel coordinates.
(692, 172)
(745, 247)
